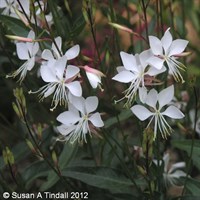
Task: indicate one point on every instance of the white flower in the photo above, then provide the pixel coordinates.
(166, 50)
(94, 76)
(26, 51)
(134, 71)
(60, 81)
(171, 172)
(157, 101)
(79, 119)
(56, 51)
(8, 7)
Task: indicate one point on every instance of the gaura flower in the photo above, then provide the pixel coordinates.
(61, 81)
(157, 101)
(166, 50)
(26, 51)
(94, 76)
(80, 120)
(133, 71)
(8, 7)
(56, 51)
(171, 173)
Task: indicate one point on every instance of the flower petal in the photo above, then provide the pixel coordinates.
(47, 54)
(176, 166)
(166, 40)
(47, 74)
(152, 98)
(78, 103)
(22, 51)
(96, 120)
(124, 77)
(66, 130)
(155, 45)
(128, 60)
(155, 62)
(143, 94)
(58, 42)
(68, 117)
(152, 71)
(59, 66)
(173, 112)
(71, 71)
(72, 52)
(30, 63)
(177, 47)
(91, 104)
(75, 88)
(166, 96)
(93, 79)
(141, 112)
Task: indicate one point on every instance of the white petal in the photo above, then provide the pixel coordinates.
(173, 112)
(121, 68)
(75, 88)
(155, 62)
(152, 98)
(31, 35)
(143, 94)
(166, 40)
(144, 56)
(72, 52)
(177, 47)
(68, 117)
(71, 71)
(78, 103)
(128, 60)
(178, 174)
(3, 4)
(59, 66)
(166, 159)
(124, 77)
(47, 54)
(141, 112)
(91, 104)
(47, 74)
(35, 49)
(65, 130)
(166, 96)
(152, 71)
(177, 165)
(49, 91)
(93, 79)
(30, 63)
(22, 51)
(58, 42)
(96, 120)
(155, 45)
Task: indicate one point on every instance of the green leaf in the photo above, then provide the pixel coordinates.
(185, 145)
(66, 156)
(193, 186)
(104, 178)
(125, 114)
(14, 25)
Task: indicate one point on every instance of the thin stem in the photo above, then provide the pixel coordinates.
(90, 17)
(49, 29)
(122, 163)
(158, 162)
(161, 16)
(193, 138)
(144, 8)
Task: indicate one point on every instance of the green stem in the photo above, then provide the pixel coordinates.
(90, 17)
(189, 166)
(122, 163)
